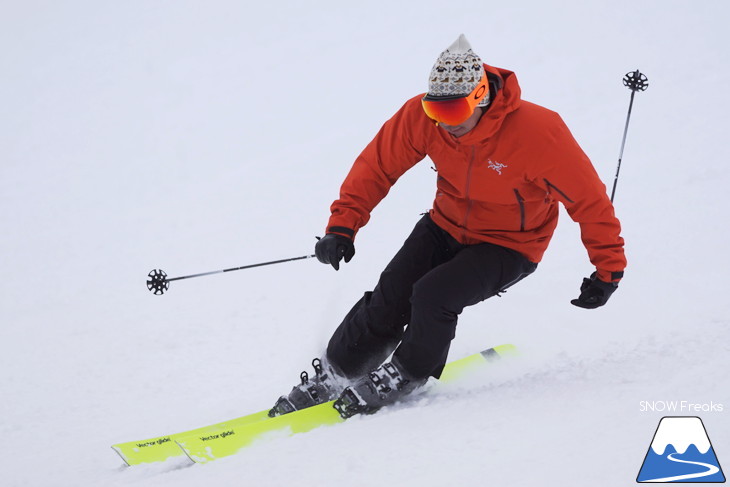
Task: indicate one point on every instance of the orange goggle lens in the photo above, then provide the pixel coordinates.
(454, 110)
(448, 111)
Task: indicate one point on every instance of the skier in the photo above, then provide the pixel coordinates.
(503, 165)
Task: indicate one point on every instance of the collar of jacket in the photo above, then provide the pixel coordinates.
(505, 101)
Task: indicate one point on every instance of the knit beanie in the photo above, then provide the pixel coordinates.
(457, 72)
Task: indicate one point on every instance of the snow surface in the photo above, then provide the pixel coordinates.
(193, 136)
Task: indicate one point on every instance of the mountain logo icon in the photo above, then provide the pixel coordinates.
(681, 452)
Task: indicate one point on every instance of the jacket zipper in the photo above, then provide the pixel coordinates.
(469, 202)
(521, 202)
(551, 186)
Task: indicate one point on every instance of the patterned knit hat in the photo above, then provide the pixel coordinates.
(457, 71)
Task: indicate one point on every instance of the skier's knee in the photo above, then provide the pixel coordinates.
(428, 295)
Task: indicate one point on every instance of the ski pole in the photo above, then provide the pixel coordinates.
(158, 281)
(635, 81)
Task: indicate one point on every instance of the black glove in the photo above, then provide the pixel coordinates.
(594, 292)
(331, 248)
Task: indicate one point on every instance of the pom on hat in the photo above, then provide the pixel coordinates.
(457, 71)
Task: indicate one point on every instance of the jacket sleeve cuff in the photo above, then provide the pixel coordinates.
(343, 231)
(608, 276)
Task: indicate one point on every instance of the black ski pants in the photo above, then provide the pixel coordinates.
(419, 296)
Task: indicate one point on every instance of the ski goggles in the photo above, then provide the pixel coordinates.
(454, 110)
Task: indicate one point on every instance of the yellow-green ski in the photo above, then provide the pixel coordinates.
(163, 447)
(210, 445)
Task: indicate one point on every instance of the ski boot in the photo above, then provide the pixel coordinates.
(380, 387)
(325, 386)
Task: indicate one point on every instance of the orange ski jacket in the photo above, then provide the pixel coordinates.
(499, 183)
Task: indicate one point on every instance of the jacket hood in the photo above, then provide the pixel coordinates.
(506, 100)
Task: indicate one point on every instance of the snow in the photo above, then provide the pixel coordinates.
(194, 136)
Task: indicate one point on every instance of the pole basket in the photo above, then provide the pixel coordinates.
(157, 282)
(636, 81)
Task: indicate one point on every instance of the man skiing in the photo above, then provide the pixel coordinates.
(503, 165)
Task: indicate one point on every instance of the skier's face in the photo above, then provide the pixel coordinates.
(466, 126)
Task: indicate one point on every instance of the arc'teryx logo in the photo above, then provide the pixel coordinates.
(497, 166)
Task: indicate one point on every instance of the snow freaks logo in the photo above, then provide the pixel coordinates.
(680, 452)
(685, 407)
